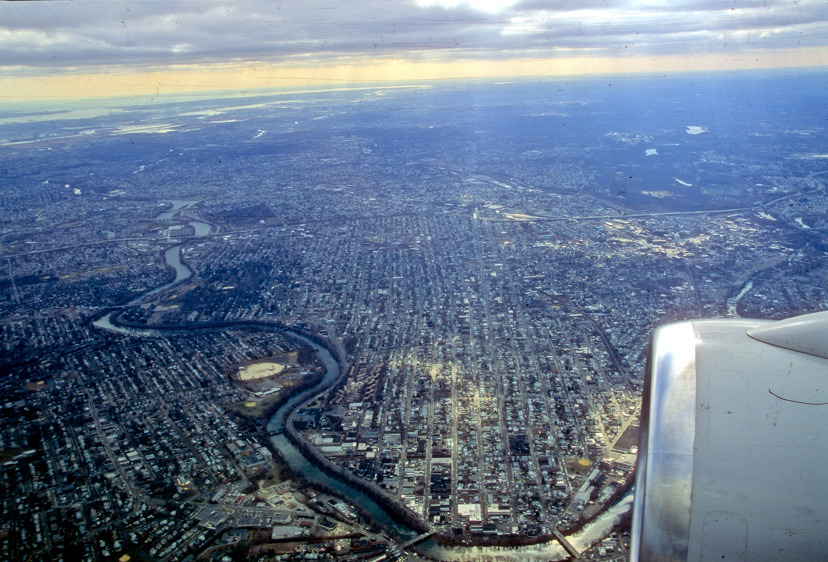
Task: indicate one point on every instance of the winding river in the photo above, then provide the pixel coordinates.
(298, 461)
(294, 457)
(172, 257)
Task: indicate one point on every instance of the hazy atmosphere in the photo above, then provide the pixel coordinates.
(398, 280)
(78, 49)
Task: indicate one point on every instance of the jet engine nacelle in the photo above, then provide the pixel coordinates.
(733, 455)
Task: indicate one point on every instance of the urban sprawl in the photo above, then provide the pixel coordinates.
(488, 297)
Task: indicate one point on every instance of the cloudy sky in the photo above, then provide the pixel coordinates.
(82, 48)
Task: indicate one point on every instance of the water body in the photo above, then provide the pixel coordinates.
(291, 454)
(603, 524)
(552, 550)
(201, 228)
(177, 205)
(172, 257)
(733, 302)
(591, 534)
(296, 459)
(298, 462)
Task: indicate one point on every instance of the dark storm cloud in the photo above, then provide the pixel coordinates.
(146, 33)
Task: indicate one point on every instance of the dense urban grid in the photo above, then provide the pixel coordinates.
(486, 262)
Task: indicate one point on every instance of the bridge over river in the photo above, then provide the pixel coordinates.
(418, 539)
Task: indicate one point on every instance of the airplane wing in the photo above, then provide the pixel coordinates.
(733, 460)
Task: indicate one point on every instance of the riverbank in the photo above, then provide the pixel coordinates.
(302, 461)
(283, 411)
(295, 453)
(390, 505)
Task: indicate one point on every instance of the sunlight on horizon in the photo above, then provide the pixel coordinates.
(257, 76)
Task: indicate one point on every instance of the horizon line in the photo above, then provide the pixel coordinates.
(254, 79)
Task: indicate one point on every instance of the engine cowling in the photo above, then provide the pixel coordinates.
(733, 455)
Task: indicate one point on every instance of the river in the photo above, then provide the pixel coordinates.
(177, 205)
(297, 460)
(172, 257)
(288, 451)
